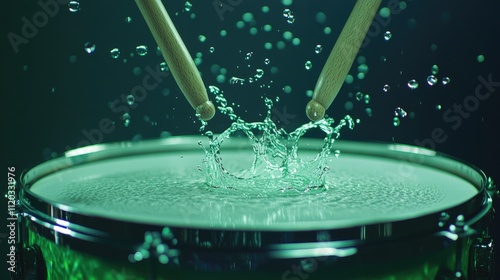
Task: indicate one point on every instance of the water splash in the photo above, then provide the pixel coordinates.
(276, 165)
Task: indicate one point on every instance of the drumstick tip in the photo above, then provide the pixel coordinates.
(315, 111)
(206, 110)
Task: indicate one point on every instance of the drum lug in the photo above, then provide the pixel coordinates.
(491, 189)
(482, 259)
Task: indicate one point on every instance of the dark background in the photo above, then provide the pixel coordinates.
(48, 102)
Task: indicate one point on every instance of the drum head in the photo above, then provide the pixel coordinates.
(163, 183)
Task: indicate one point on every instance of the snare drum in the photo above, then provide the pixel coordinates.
(143, 211)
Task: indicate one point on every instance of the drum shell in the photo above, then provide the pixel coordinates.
(423, 255)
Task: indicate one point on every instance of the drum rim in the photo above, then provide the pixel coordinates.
(62, 218)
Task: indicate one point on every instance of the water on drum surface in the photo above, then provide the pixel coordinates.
(276, 164)
(168, 189)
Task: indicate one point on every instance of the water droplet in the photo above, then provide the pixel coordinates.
(212, 49)
(130, 99)
(438, 107)
(446, 80)
(308, 65)
(287, 89)
(369, 112)
(396, 121)
(480, 58)
(336, 153)
(202, 38)
(386, 88)
(432, 80)
(74, 6)
(286, 12)
(128, 19)
(141, 50)
(363, 68)
(434, 69)
(259, 73)
(126, 119)
(89, 47)
(115, 53)
(187, 6)
(400, 112)
(236, 80)
(387, 35)
(367, 99)
(163, 67)
(359, 96)
(318, 49)
(267, 61)
(248, 56)
(413, 84)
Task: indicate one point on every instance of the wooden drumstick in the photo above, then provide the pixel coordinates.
(177, 56)
(341, 58)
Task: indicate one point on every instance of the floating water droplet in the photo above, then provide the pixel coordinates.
(400, 112)
(446, 80)
(248, 56)
(359, 96)
(412, 84)
(212, 49)
(434, 69)
(369, 112)
(438, 107)
(308, 65)
(396, 121)
(267, 61)
(202, 38)
(141, 50)
(336, 153)
(187, 6)
(236, 80)
(287, 89)
(386, 88)
(126, 119)
(480, 58)
(363, 68)
(130, 99)
(367, 99)
(163, 67)
(259, 73)
(318, 49)
(89, 47)
(387, 35)
(74, 6)
(432, 80)
(128, 19)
